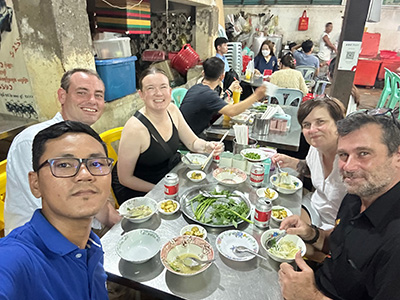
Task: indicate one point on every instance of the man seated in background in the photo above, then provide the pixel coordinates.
(364, 246)
(305, 57)
(55, 255)
(201, 102)
(82, 99)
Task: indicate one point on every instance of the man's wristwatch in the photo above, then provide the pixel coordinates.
(315, 238)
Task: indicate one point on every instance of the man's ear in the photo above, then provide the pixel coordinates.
(62, 95)
(140, 93)
(34, 184)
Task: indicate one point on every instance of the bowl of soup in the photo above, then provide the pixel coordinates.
(179, 248)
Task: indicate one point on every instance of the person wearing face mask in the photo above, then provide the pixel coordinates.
(266, 59)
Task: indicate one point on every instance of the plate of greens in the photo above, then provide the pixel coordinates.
(253, 154)
(229, 207)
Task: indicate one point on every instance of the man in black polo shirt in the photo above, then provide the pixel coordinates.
(364, 247)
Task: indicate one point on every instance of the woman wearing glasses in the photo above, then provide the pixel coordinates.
(288, 77)
(318, 121)
(150, 139)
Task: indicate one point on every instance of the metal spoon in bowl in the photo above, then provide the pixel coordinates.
(272, 241)
(194, 262)
(242, 249)
(187, 158)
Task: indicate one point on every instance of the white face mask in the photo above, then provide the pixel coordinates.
(265, 52)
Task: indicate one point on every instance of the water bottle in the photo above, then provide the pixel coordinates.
(267, 167)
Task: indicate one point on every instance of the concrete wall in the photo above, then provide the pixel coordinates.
(319, 15)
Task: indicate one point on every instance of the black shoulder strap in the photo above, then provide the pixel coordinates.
(153, 131)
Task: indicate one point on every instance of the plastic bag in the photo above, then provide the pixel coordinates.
(303, 22)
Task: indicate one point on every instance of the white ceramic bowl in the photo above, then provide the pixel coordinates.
(189, 228)
(229, 176)
(297, 182)
(261, 193)
(162, 211)
(186, 244)
(293, 238)
(197, 159)
(138, 246)
(278, 207)
(189, 175)
(134, 202)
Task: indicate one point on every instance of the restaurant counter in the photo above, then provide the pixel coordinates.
(224, 279)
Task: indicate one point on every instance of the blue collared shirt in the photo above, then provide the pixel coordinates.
(225, 60)
(38, 262)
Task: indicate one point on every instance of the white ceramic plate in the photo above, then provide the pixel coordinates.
(288, 212)
(189, 175)
(261, 193)
(229, 176)
(263, 154)
(188, 228)
(228, 240)
(168, 213)
(138, 246)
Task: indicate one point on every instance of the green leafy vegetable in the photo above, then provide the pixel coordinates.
(225, 213)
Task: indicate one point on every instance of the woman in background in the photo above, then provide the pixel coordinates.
(288, 77)
(266, 59)
(150, 139)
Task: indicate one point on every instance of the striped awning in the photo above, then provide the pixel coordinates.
(126, 16)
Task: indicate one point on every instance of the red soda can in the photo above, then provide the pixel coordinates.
(257, 175)
(262, 213)
(216, 159)
(171, 185)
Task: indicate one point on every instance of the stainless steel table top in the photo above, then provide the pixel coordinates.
(11, 125)
(225, 279)
(287, 141)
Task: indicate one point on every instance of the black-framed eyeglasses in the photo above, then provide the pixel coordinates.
(64, 167)
(383, 111)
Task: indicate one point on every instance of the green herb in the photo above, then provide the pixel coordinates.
(252, 155)
(262, 107)
(228, 213)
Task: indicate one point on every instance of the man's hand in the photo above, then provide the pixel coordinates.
(294, 225)
(298, 285)
(235, 85)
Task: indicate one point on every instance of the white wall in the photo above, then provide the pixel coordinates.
(319, 15)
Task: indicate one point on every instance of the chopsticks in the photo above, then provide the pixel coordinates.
(212, 152)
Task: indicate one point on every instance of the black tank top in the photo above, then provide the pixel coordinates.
(152, 165)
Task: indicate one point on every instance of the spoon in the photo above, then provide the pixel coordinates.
(242, 249)
(194, 262)
(269, 243)
(187, 158)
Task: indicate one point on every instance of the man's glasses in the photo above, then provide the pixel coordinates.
(377, 112)
(64, 167)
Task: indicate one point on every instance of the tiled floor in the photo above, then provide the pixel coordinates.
(369, 97)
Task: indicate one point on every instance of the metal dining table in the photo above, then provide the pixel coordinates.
(289, 140)
(224, 279)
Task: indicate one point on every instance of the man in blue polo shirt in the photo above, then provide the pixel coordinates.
(56, 255)
(305, 57)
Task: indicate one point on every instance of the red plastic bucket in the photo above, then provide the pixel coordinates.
(185, 59)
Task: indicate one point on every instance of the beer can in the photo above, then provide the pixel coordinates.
(262, 213)
(257, 175)
(171, 185)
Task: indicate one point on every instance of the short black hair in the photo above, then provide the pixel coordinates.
(150, 71)
(219, 41)
(213, 68)
(327, 24)
(66, 78)
(307, 46)
(55, 131)
(389, 125)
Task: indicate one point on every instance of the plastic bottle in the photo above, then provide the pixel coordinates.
(250, 70)
(267, 167)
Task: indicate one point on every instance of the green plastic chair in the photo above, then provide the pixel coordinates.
(387, 89)
(177, 95)
(395, 97)
(308, 73)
